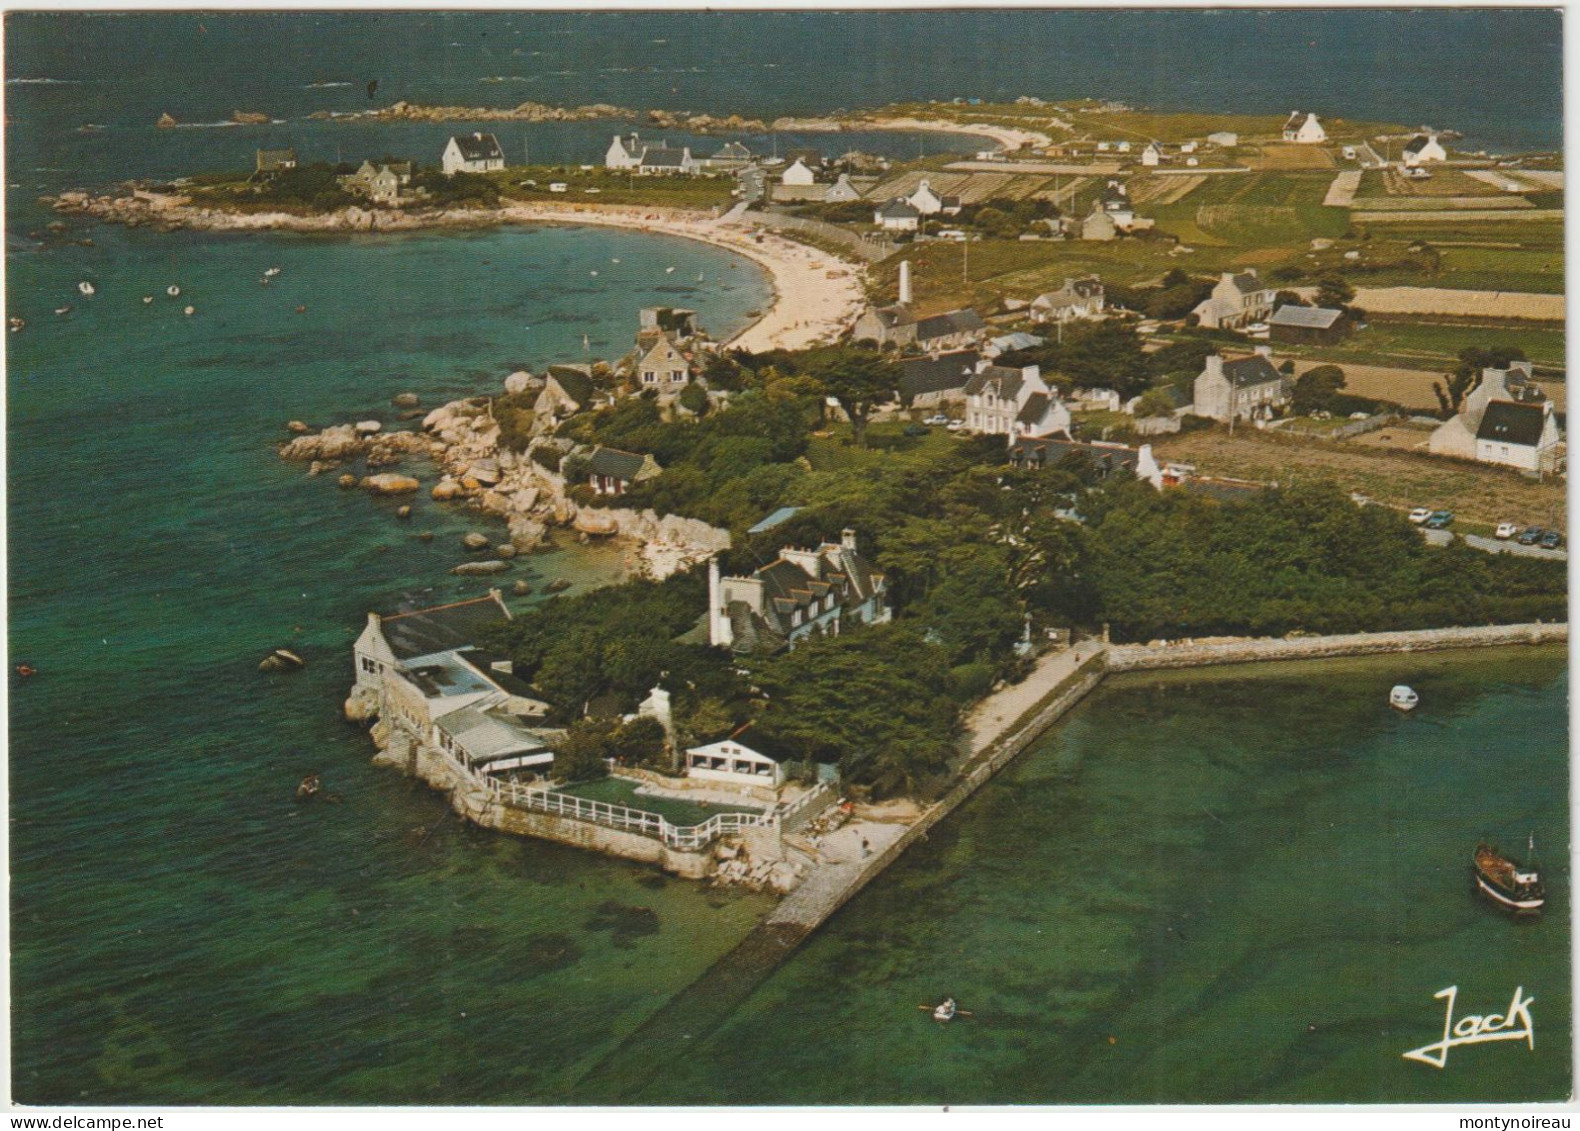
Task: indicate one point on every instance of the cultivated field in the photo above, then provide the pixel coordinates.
(1399, 479)
(1285, 157)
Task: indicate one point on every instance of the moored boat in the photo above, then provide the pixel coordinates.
(1514, 887)
(1403, 698)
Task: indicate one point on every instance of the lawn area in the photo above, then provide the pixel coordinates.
(1257, 209)
(618, 791)
(613, 187)
(1525, 256)
(1434, 346)
(887, 446)
(1475, 493)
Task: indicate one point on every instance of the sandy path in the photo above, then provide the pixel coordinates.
(1341, 193)
(1007, 136)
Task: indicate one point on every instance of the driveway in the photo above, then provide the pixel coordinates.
(1494, 545)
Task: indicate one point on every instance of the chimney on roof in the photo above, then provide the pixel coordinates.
(375, 622)
(1215, 365)
(905, 282)
(847, 539)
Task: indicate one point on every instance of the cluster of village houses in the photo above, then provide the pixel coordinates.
(425, 672)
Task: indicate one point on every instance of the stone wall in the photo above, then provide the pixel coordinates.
(1188, 654)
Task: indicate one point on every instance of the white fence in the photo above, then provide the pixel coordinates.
(683, 837)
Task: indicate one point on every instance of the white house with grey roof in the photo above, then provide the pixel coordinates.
(662, 161)
(802, 592)
(624, 153)
(472, 153)
(611, 471)
(1506, 419)
(1245, 388)
(1078, 299)
(1423, 149)
(1006, 401)
(897, 215)
(1303, 128)
(1238, 299)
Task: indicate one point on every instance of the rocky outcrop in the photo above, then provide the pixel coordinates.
(480, 569)
(363, 706)
(250, 117)
(165, 121)
(705, 123)
(345, 441)
(388, 484)
(524, 112)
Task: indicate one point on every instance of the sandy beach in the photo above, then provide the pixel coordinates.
(1007, 137)
(817, 295)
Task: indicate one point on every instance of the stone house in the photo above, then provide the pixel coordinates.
(472, 153)
(823, 590)
(1105, 458)
(731, 155)
(885, 325)
(612, 472)
(663, 367)
(1238, 299)
(1077, 299)
(1523, 439)
(927, 382)
(567, 390)
(1004, 401)
(1099, 225)
(898, 215)
(1247, 388)
(842, 191)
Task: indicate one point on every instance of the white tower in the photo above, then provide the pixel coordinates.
(905, 282)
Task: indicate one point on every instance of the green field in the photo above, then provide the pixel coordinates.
(1267, 210)
(612, 187)
(1414, 342)
(888, 447)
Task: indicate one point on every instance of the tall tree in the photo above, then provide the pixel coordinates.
(858, 379)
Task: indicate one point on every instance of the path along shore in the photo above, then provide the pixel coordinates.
(817, 295)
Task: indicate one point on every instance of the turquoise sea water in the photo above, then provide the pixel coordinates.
(1162, 870)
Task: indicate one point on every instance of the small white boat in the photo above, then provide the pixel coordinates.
(614, 261)
(594, 274)
(271, 272)
(63, 309)
(946, 1010)
(190, 310)
(85, 287)
(17, 323)
(669, 270)
(699, 276)
(1404, 698)
(147, 299)
(172, 290)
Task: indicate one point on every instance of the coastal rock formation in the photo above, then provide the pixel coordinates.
(343, 442)
(705, 123)
(479, 569)
(297, 427)
(406, 400)
(369, 427)
(165, 121)
(250, 118)
(447, 489)
(362, 707)
(475, 541)
(518, 382)
(388, 484)
(525, 112)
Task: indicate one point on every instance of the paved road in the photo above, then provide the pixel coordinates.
(1495, 546)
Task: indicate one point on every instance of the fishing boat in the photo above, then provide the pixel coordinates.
(1513, 887)
(1403, 698)
(147, 299)
(309, 788)
(669, 270)
(189, 310)
(172, 290)
(85, 287)
(63, 309)
(946, 1010)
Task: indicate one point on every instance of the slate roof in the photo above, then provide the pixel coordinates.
(892, 316)
(1297, 119)
(1245, 372)
(1003, 381)
(576, 384)
(1508, 423)
(1019, 340)
(943, 325)
(488, 735)
(1246, 282)
(616, 464)
(1417, 143)
(732, 151)
(479, 147)
(1305, 317)
(1034, 408)
(441, 628)
(662, 158)
(751, 737)
(919, 375)
(787, 587)
(898, 209)
(1047, 452)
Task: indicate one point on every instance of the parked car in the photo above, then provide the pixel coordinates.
(956, 425)
(1258, 330)
(936, 418)
(1552, 540)
(1420, 515)
(1530, 536)
(915, 430)
(1440, 520)
(1506, 530)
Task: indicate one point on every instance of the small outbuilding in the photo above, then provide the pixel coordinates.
(1308, 325)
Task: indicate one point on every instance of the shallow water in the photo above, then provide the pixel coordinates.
(1233, 886)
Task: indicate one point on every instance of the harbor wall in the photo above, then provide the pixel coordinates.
(474, 803)
(1192, 654)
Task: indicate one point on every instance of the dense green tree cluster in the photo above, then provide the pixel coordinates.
(1093, 355)
(1169, 565)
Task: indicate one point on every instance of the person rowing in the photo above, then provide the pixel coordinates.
(947, 1010)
